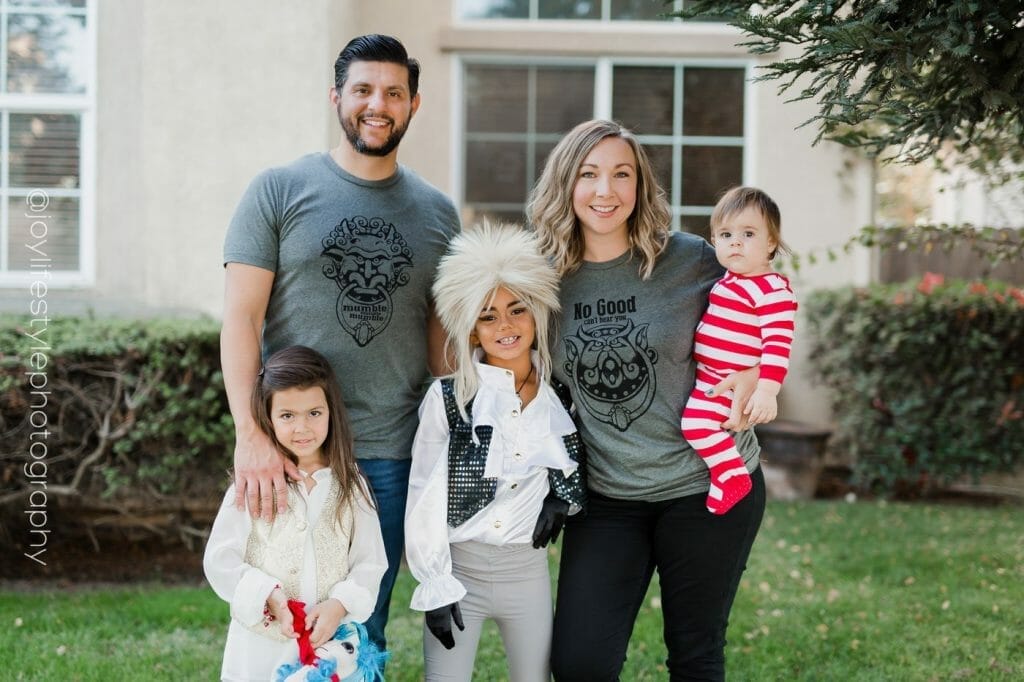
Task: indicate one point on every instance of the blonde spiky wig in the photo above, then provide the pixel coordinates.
(479, 261)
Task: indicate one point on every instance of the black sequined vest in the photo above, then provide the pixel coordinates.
(468, 490)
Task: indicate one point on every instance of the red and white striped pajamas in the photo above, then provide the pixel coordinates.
(749, 320)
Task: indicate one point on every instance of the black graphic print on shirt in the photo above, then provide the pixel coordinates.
(610, 363)
(369, 259)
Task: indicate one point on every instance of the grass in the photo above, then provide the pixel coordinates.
(834, 591)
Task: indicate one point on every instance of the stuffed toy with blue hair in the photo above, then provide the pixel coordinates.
(349, 656)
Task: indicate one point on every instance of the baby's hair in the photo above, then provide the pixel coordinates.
(740, 198)
(301, 367)
(479, 261)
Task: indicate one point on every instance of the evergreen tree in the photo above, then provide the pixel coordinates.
(922, 76)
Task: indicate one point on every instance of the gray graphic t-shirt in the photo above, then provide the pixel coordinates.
(353, 261)
(625, 349)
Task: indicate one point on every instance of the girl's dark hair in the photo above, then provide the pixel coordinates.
(376, 48)
(301, 367)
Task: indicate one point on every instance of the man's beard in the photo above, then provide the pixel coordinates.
(352, 133)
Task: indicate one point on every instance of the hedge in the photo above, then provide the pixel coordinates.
(926, 380)
(111, 424)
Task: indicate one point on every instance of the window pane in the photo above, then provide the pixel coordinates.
(44, 150)
(46, 53)
(697, 224)
(541, 150)
(46, 3)
(642, 98)
(713, 17)
(472, 215)
(661, 158)
(495, 99)
(57, 224)
(494, 9)
(713, 102)
(709, 171)
(565, 97)
(569, 9)
(640, 10)
(495, 172)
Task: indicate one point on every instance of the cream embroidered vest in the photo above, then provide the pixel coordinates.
(278, 547)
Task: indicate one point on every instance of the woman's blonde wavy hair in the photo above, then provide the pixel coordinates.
(550, 204)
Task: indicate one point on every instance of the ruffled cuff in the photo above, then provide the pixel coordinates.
(250, 596)
(437, 592)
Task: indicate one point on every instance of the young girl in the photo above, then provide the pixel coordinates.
(749, 321)
(496, 460)
(324, 550)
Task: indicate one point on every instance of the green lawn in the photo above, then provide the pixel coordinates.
(834, 591)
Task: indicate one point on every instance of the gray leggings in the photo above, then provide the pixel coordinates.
(511, 585)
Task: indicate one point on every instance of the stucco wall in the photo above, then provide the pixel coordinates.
(824, 193)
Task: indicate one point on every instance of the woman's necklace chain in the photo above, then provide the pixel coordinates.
(528, 375)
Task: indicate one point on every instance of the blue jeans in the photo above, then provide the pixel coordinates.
(389, 479)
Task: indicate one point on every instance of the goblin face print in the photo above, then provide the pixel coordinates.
(613, 370)
(368, 260)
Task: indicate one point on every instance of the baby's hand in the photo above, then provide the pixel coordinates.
(324, 619)
(762, 406)
(277, 604)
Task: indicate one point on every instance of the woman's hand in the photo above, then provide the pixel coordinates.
(742, 385)
(762, 406)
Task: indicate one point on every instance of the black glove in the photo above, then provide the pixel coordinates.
(553, 514)
(439, 622)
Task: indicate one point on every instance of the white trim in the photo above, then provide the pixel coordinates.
(603, 87)
(604, 17)
(456, 143)
(749, 126)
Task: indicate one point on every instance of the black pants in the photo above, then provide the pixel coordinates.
(608, 557)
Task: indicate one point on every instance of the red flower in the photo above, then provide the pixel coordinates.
(977, 288)
(929, 281)
(1017, 294)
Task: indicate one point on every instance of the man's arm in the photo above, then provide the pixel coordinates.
(439, 356)
(259, 467)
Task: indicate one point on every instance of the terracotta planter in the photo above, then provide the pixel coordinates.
(792, 457)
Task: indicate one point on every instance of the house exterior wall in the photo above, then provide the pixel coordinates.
(195, 98)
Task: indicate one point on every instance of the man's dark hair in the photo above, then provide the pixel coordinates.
(376, 48)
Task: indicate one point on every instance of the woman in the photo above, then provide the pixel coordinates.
(632, 294)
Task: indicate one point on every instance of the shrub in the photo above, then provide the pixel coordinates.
(926, 380)
(116, 423)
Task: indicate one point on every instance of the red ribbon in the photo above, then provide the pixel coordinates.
(307, 655)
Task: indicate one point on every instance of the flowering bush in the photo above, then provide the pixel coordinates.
(926, 378)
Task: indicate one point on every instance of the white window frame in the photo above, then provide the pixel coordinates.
(603, 88)
(534, 14)
(84, 105)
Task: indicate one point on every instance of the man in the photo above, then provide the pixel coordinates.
(337, 252)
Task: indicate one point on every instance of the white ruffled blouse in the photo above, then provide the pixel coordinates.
(525, 443)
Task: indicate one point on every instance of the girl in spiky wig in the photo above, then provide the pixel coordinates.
(479, 263)
(496, 464)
